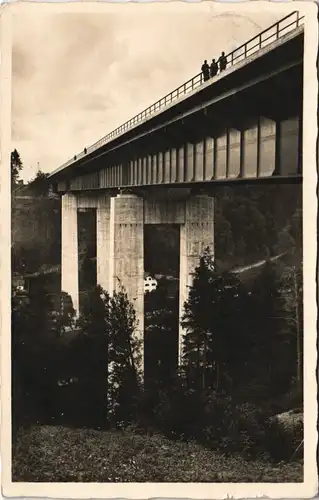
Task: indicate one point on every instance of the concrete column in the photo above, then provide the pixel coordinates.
(181, 163)
(199, 161)
(160, 168)
(221, 156)
(154, 169)
(190, 162)
(195, 235)
(149, 169)
(167, 165)
(69, 248)
(289, 146)
(234, 153)
(209, 158)
(173, 165)
(250, 153)
(127, 251)
(103, 242)
(267, 147)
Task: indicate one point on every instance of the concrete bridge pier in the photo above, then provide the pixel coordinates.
(69, 249)
(103, 212)
(196, 234)
(120, 246)
(120, 224)
(127, 251)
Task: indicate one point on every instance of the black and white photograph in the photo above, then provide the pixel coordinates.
(162, 322)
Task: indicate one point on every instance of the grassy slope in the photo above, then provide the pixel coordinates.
(62, 454)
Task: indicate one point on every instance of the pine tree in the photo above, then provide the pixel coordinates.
(196, 322)
(34, 353)
(39, 184)
(161, 338)
(217, 342)
(91, 354)
(105, 358)
(20, 404)
(267, 325)
(291, 289)
(230, 340)
(124, 359)
(16, 167)
(63, 314)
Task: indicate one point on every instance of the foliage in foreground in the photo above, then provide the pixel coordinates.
(237, 347)
(60, 454)
(58, 381)
(243, 342)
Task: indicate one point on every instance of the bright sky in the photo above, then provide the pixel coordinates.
(77, 76)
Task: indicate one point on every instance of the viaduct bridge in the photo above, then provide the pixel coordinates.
(243, 125)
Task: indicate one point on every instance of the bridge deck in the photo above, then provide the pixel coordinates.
(274, 36)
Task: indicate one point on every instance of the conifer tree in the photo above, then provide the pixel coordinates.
(39, 184)
(34, 352)
(91, 353)
(16, 167)
(161, 337)
(267, 325)
(66, 314)
(196, 322)
(231, 337)
(124, 359)
(216, 343)
(291, 290)
(19, 334)
(106, 358)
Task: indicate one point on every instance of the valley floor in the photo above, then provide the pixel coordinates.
(60, 454)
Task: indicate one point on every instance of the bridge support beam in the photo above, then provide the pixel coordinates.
(69, 247)
(195, 235)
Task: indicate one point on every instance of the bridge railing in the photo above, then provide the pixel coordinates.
(269, 35)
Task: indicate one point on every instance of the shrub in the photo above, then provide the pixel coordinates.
(284, 442)
(214, 420)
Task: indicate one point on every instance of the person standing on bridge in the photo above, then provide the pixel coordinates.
(205, 71)
(213, 68)
(222, 61)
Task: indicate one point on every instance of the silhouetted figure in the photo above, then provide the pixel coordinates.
(85, 151)
(205, 71)
(213, 68)
(222, 61)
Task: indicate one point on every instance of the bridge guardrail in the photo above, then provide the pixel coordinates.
(269, 35)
